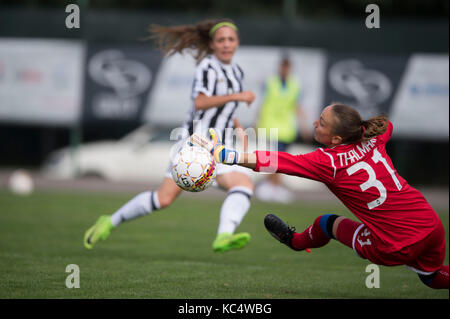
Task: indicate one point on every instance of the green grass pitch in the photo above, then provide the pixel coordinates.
(168, 254)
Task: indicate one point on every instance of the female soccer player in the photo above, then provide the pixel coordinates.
(399, 227)
(216, 92)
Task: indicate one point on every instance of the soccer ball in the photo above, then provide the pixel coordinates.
(193, 169)
(21, 183)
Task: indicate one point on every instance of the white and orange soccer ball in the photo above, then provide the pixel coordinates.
(193, 169)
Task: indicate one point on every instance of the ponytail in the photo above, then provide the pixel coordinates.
(351, 128)
(374, 127)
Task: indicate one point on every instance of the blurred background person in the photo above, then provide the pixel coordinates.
(281, 109)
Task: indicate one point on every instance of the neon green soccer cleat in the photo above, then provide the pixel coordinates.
(101, 230)
(227, 241)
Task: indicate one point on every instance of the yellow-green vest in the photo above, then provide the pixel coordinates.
(279, 108)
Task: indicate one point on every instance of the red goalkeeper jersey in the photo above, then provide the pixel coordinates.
(362, 176)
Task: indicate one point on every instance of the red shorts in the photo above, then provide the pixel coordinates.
(423, 257)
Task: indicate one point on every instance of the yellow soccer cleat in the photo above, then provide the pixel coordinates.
(101, 230)
(227, 241)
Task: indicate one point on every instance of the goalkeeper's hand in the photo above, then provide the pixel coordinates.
(216, 148)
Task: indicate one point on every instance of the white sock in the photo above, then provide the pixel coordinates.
(142, 204)
(234, 209)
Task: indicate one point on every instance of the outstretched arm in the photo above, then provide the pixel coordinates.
(222, 154)
(248, 160)
(314, 165)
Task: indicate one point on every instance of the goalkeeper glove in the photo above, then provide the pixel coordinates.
(216, 148)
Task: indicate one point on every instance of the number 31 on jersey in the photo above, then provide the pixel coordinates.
(373, 181)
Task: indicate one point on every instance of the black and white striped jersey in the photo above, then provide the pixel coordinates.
(213, 77)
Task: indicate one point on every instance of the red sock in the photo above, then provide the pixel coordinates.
(440, 279)
(312, 237)
(345, 231)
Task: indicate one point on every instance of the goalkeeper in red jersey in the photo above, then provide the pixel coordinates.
(398, 226)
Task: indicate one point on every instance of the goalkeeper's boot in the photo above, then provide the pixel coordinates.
(227, 241)
(280, 230)
(101, 230)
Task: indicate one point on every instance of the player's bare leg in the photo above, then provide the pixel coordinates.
(240, 189)
(168, 192)
(147, 202)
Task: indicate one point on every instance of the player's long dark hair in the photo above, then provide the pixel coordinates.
(351, 128)
(175, 39)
